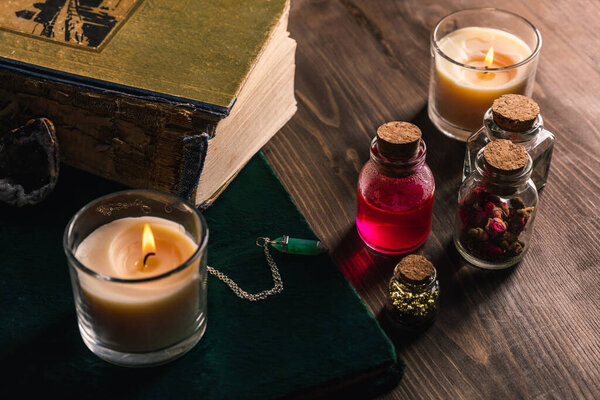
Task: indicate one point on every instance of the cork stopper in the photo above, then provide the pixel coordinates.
(504, 156)
(415, 269)
(399, 140)
(515, 113)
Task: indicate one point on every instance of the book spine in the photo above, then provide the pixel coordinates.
(134, 141)
(195, 149)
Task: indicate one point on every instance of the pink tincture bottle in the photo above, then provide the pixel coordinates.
(395, 191)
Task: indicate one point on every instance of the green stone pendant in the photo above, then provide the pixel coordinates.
(286, 244)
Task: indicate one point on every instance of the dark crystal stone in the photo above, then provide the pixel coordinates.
(28, 162)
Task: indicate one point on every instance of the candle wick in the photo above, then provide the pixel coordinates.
(146, 257)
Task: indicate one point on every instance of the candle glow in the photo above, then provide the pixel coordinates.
(462, 95)
(148, 247)
(489, 57)
(148, 244)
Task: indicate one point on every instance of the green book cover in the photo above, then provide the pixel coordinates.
(313, 337)
(192, 51)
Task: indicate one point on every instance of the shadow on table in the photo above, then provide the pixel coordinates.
(363, 266)
(445, 155)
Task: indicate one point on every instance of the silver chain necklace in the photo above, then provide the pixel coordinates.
(241, 293)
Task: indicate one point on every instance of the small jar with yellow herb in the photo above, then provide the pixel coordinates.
(413, 293)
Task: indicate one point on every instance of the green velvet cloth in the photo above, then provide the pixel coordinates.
(315, 334)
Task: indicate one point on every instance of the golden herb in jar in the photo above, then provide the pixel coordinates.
(413, 293)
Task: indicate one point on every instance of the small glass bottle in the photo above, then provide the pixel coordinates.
(395, 191)
(496, 207)
(413, 293)
(518, 119)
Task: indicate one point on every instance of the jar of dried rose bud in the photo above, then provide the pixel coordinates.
(496, 207)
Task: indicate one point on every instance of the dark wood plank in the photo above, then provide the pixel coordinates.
(529, 332)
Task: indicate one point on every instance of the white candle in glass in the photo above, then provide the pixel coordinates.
(144, 316)
(462, 95)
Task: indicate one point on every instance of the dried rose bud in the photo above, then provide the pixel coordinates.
(495, 227)
(492, 211)
(494, 252)
(509, 237)
(526, 212)
(519, 219)
(478, 217)
(478, 234)
(472, 233)
(516, 203)
(516, 248)
(505, 244)
(496, 213)
(474, 196)
(505, 209)
(516, 223)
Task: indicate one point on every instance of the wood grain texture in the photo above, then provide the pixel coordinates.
(529, 332)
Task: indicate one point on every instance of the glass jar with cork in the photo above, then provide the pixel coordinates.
(496, 207)
(395, 191)
(413, 294)
(516, 118)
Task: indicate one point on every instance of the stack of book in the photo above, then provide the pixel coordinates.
(170, 95)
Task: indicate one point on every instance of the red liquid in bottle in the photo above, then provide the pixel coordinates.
(394, 212)
(393, 232)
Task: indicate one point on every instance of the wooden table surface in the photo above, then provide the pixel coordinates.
(532, 331)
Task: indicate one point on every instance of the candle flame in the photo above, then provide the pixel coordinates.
(489, 58)
(148, 245)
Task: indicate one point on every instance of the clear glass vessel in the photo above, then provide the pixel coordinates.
(461, 87)
(144, 321)
(412, 306)
(538, 142)
(395, 201)
(495, 216)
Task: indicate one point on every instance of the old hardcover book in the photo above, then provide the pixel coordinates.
(170, 95)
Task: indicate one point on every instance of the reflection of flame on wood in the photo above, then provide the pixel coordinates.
(368, 271)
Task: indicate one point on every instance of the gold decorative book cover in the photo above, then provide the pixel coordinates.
(151, 92)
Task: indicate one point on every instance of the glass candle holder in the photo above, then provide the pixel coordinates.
(140, 297)
(477, 56)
